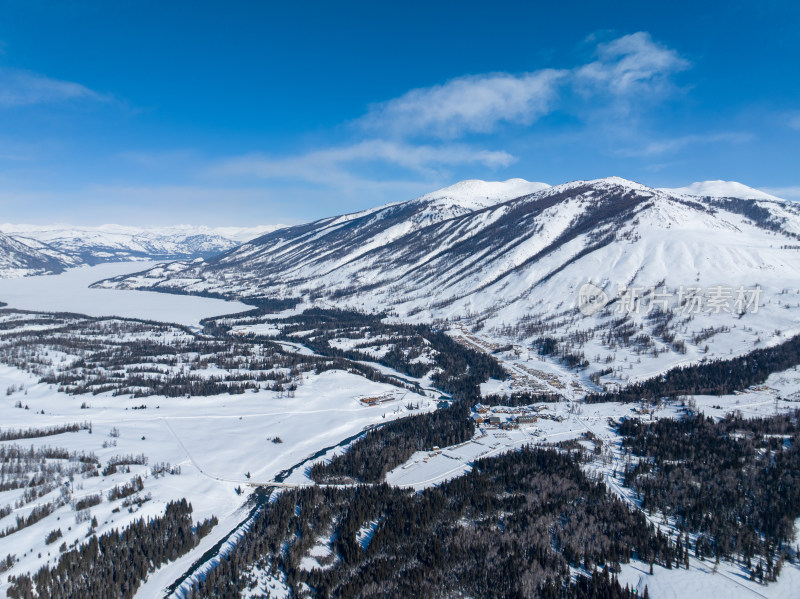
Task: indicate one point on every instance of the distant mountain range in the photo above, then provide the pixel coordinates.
(20, 259)
(512, 259)
(48, 249)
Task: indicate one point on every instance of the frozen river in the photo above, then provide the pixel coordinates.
(70, 292)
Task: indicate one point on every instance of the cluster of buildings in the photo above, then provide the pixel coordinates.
(534, 379)
(474, 342)
(510, 418)
(523, 378)
(374, 400)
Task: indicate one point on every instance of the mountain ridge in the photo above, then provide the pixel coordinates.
(513, 268)
(19, 258)
(722, 189)
(66, 246)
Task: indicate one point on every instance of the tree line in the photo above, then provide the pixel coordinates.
(716, 377)
(734, 483)
(511, 528)
(113, 565)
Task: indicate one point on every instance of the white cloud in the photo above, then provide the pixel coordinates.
(626, 68)
(794, 121)
(329, 166)
(631, 64)
(665, 146)
(25, 88)
(469, 104)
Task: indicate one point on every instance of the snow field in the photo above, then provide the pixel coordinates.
(215, 440)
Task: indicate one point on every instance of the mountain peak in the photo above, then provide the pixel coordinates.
(475, 194)
(604, 183)
(722, 189)
(615, 180)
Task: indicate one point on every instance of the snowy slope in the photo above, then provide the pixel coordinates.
(783, 212)
(21, 258)
(513, 268)
(721, 189)
(238, 234)
(474, 194)
(333, 243)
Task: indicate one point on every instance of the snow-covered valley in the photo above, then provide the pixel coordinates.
(461, 329)
(48, 249)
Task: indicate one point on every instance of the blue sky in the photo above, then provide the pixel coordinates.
(243, 113)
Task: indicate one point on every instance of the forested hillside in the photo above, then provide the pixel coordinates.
(510, 528)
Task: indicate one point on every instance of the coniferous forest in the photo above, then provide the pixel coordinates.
(512, 527)
(717, 377)
(530, 523)
(735, 483)
(113, 565)
(371, 457)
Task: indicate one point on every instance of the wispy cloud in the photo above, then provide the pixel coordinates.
(628, 67)
(632, 64)
(329, 165)
(621, 70)
(26, 88)
(470, 104)
(794, 121)
(675, 144)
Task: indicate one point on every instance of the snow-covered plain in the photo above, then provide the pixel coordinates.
(70, 292)
(216, 441)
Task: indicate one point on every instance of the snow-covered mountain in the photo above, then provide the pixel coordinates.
(74, 246)
(721, 189)
(328, 245)
(514, 267)
(20, 258)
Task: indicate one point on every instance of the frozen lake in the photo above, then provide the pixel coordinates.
(70, 292)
